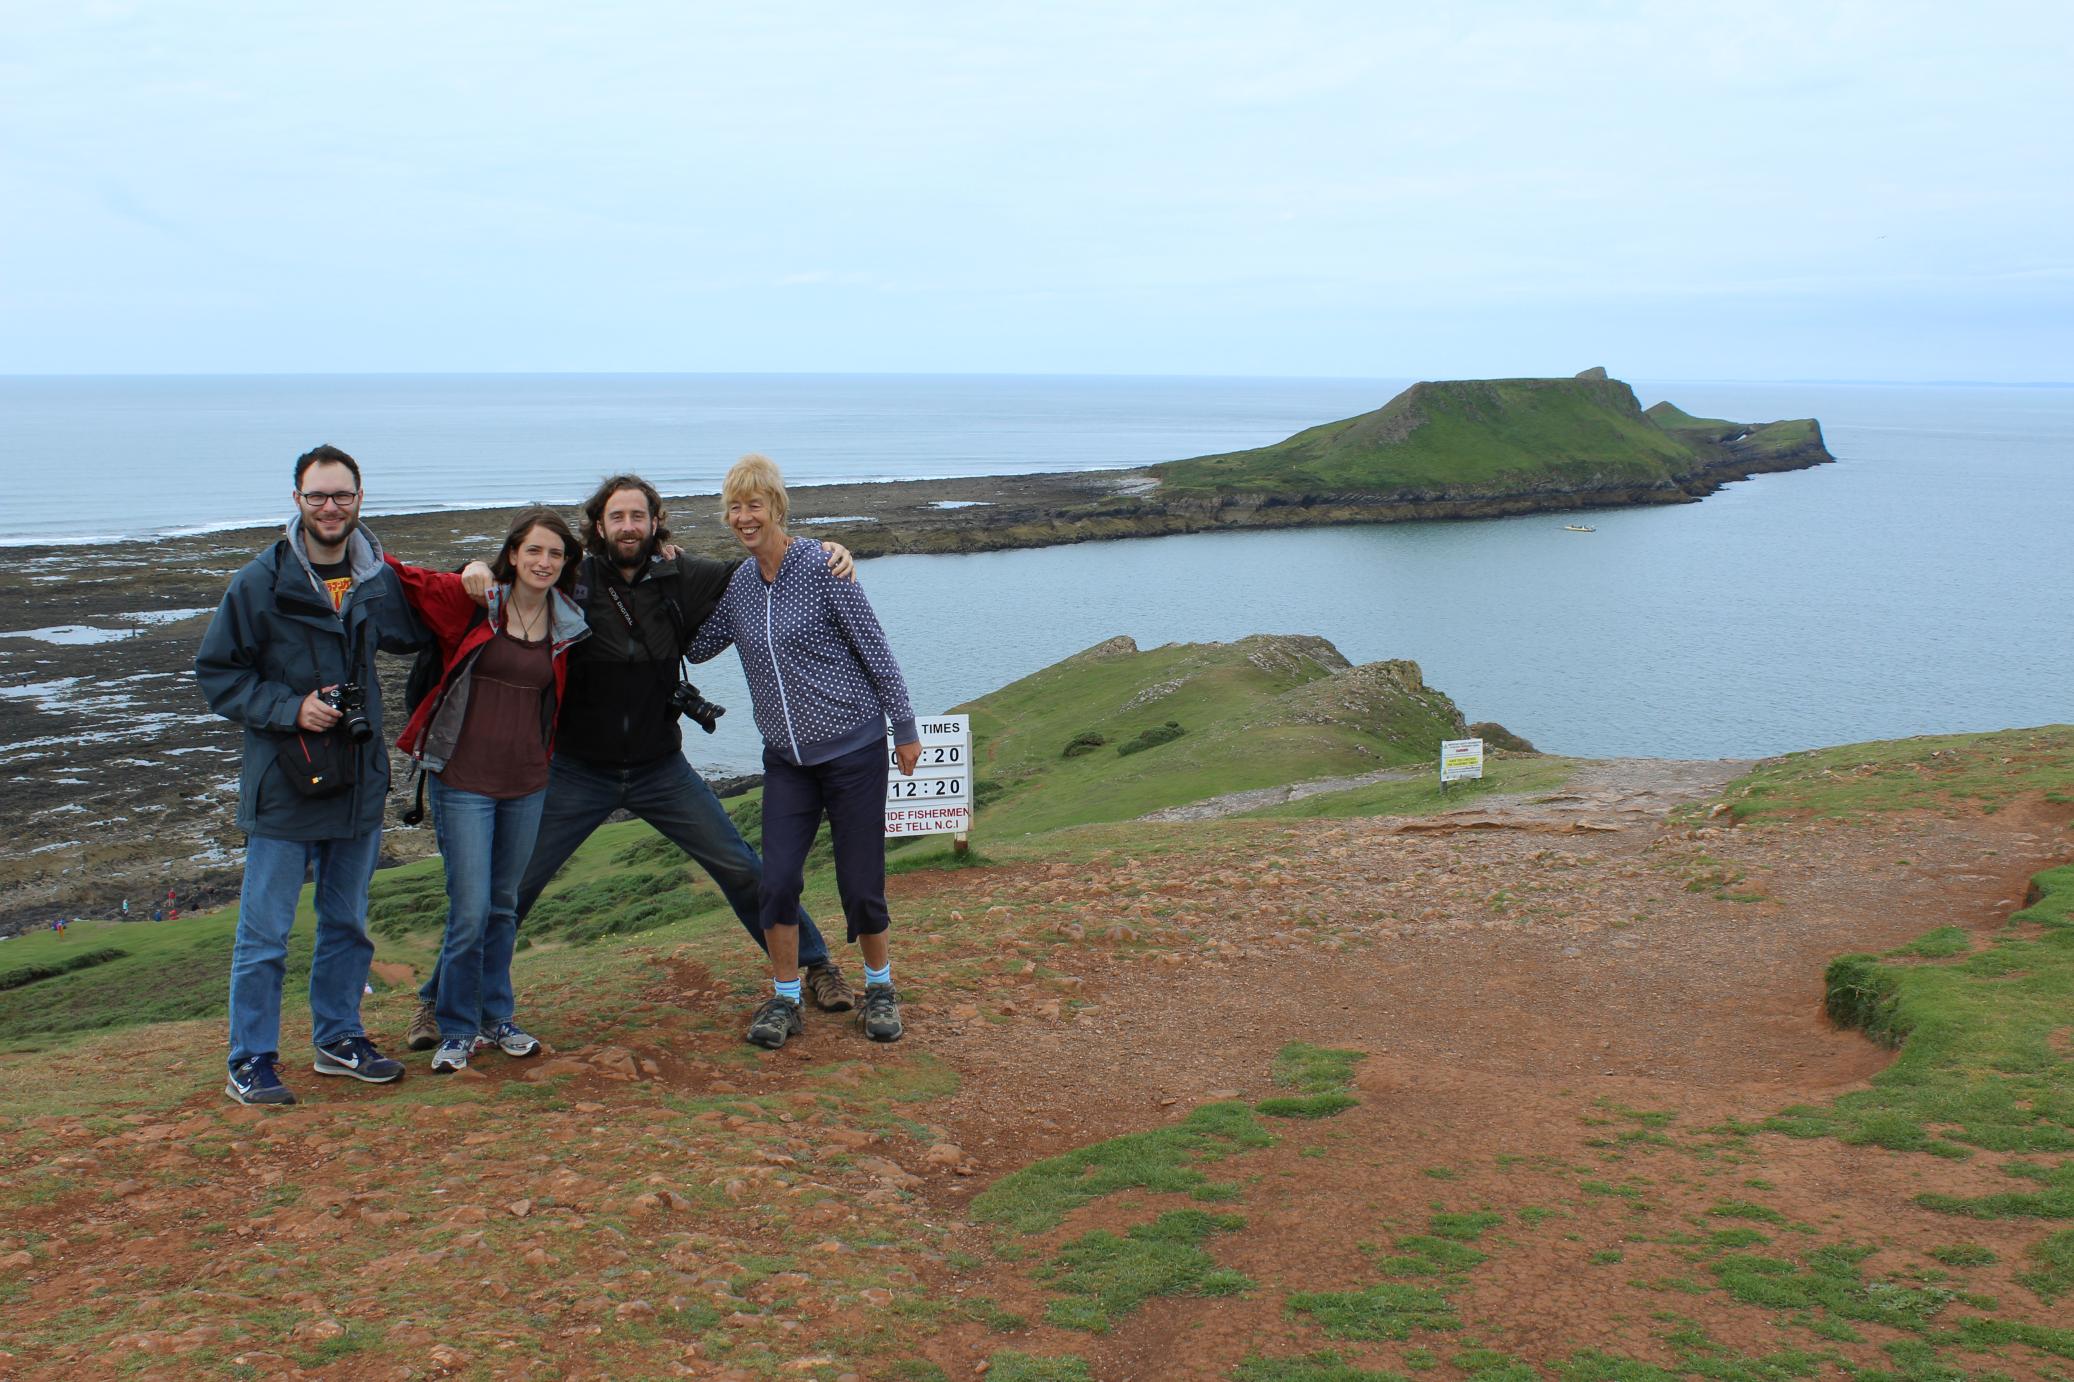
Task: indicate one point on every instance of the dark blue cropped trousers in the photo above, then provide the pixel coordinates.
(851, 792)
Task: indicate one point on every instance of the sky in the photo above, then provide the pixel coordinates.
(1753, 191)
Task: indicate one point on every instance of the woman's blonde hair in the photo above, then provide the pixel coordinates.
(755, 476)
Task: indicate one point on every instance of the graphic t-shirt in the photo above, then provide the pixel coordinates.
(337, 577)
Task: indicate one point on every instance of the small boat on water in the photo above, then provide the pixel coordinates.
(1579, 528)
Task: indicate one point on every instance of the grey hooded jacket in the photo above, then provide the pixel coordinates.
(274, 639)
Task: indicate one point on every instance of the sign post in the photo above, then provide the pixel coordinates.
(1460, 760)
(938, 798)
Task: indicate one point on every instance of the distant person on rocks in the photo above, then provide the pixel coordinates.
(290, 655)
(619, 745)
(158, 914)
(826, 690)
(485, 737)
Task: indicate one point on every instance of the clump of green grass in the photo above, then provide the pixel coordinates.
(1315, 1367)
(1039, 1196)
(1699, 1355)
(1028, 1367)
(1464, 1227)
(1988, 1334)
(1965, 1255)
(1151, 738)
(1387, 1310)
(1391, 1310)
(1106, 1276)
(1744, 1209)
(1322, 1077)
(1087, 741)
(2053, 1277)
(1830, 1281)
(1489, 1365)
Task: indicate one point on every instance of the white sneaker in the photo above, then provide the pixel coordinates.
(509, 1038)
(452, 1055)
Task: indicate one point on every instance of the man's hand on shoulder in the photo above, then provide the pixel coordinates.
(477, 580)
(840, 565)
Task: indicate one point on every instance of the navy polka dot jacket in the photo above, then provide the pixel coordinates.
(823, 681)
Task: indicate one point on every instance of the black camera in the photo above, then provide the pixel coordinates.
(350, 701)
(687, 701)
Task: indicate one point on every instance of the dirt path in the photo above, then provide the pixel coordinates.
(1644, 787)
(1508, 970)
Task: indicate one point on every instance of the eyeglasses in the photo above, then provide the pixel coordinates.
(344, 498)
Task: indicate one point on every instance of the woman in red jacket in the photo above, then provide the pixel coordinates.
(484, 737)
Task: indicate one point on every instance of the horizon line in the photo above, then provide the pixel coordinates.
(975, 374)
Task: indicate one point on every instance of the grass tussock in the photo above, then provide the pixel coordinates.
(1104, 1276)
(1322, 1077)
(1162, 1159)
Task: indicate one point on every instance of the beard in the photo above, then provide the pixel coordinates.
(618, 551)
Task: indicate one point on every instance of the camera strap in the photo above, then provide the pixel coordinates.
(626, 613)
(620, 604)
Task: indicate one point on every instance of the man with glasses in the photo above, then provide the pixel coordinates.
(290, 656)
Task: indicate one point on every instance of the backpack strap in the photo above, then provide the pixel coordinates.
(414, 814)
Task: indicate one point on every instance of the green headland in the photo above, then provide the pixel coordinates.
(1538, 442)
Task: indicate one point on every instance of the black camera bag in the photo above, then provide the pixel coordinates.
(318, 765)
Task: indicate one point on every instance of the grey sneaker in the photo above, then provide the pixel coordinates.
(356, 1058)
(828, 988)
(452, 1055)
(776, 1021)
(424, 1027)
(881, 1016)
(509, 1038)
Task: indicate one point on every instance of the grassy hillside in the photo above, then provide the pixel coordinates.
(1475, 436)
(1260, 712)
(1933, 771)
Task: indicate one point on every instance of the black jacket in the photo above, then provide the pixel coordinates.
(616, 708)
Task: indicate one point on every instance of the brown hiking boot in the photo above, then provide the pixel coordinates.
(424, 1028)
(829, 990)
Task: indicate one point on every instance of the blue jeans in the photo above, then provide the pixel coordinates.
(274, 871)
(673, 798)
(485, 842)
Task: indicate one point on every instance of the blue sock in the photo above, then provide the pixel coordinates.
(878, 976)
(787, 988)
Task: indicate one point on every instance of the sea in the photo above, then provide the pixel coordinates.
(1924, 583)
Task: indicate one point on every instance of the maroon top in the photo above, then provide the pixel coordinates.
(500, 752)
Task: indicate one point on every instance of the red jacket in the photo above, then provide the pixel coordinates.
(447, 610)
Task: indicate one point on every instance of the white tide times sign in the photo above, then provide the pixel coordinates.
(938, 797)
(1460, 759)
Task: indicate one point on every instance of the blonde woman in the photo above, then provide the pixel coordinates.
(825, 690)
